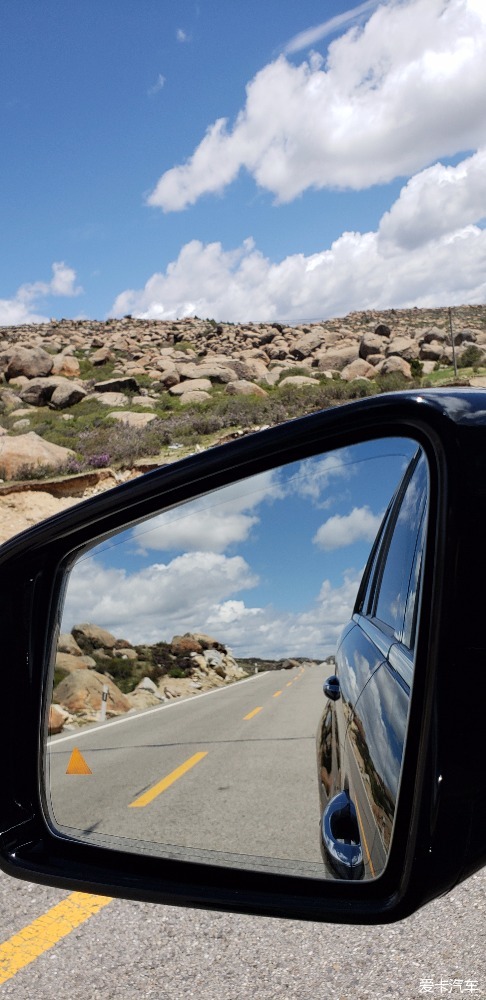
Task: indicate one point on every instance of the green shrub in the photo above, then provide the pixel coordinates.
(177, 672)
(471, 357)
(59, 675)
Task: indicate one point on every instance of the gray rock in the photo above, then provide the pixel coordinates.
(395, 364)
(405, 347)
(241, 387)
(132, 419)
(67, 644)
(371, 344)
(101, 356)
(64, 364)
(127, 384)
(32, 362)
(29, 451)
(70, 662)
(66, 395)
(431, 351)
(298, 381)
(336, 358)
(94, 635)
(305, 346)
(358, 369)
(109, 398)
(192, 385)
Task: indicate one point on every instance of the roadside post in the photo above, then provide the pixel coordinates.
(104, 699)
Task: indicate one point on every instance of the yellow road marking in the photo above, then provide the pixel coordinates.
(364, 841)
(276, 694)
(43, 933)
(77, 764)
(151, 794)
(251, 714)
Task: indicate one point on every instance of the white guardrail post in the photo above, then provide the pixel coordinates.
(104, 699)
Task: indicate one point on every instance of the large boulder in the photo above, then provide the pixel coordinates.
(250, 369)
(306, 345)
(81, 691)
(191, 385)
(101, 356)
(212, 370)
(181, 645)
(54, 389)
(30, 452)
(65, 364)
(29, 361)
(67, 394)
(90, 637)
(358, 369)
(404, 347)
(241, 387)
(336, 358)
(67, 644)
(58, 718)
(207, 641)
(132, 419)
(70, 662)
(371, 344)
(127, 384)
(298, 381)
(395, 364)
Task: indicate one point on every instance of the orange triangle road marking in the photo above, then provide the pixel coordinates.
(77, 764)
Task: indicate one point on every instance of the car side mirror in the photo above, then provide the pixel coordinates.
(207, 597)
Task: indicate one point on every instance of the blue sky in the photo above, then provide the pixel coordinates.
(241, 161)
(269, 566)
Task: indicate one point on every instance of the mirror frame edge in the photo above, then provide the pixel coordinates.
(29, 850)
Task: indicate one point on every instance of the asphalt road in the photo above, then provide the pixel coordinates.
(232, 773)
(133, 951)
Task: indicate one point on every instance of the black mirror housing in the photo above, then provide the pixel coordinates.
(439, 836)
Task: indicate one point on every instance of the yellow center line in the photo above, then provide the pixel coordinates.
(289, 684)
(364, 841)
(276, 694)
(43, 933)
(251, 714)
(151, 794)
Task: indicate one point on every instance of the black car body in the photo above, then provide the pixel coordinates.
(362, 733)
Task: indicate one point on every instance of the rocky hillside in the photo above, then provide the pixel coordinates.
(90, 403)
(137, 677)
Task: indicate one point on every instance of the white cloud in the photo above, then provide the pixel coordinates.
(342, 530)
(182, 35)
(312, 35)
(22, 308)
(390, 99)
(268, 632)
(158, 602)
(159, 83)
(194, 593)
(359, 271)
(316, 475)
(435, 202)
(210, 523)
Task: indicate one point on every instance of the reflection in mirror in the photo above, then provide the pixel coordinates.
(193, 654)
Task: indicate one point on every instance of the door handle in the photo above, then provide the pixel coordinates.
(341, 839)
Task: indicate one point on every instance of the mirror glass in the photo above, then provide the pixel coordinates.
(218, 700)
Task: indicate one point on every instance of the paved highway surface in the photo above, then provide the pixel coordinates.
(133, 951)
(232, 773)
